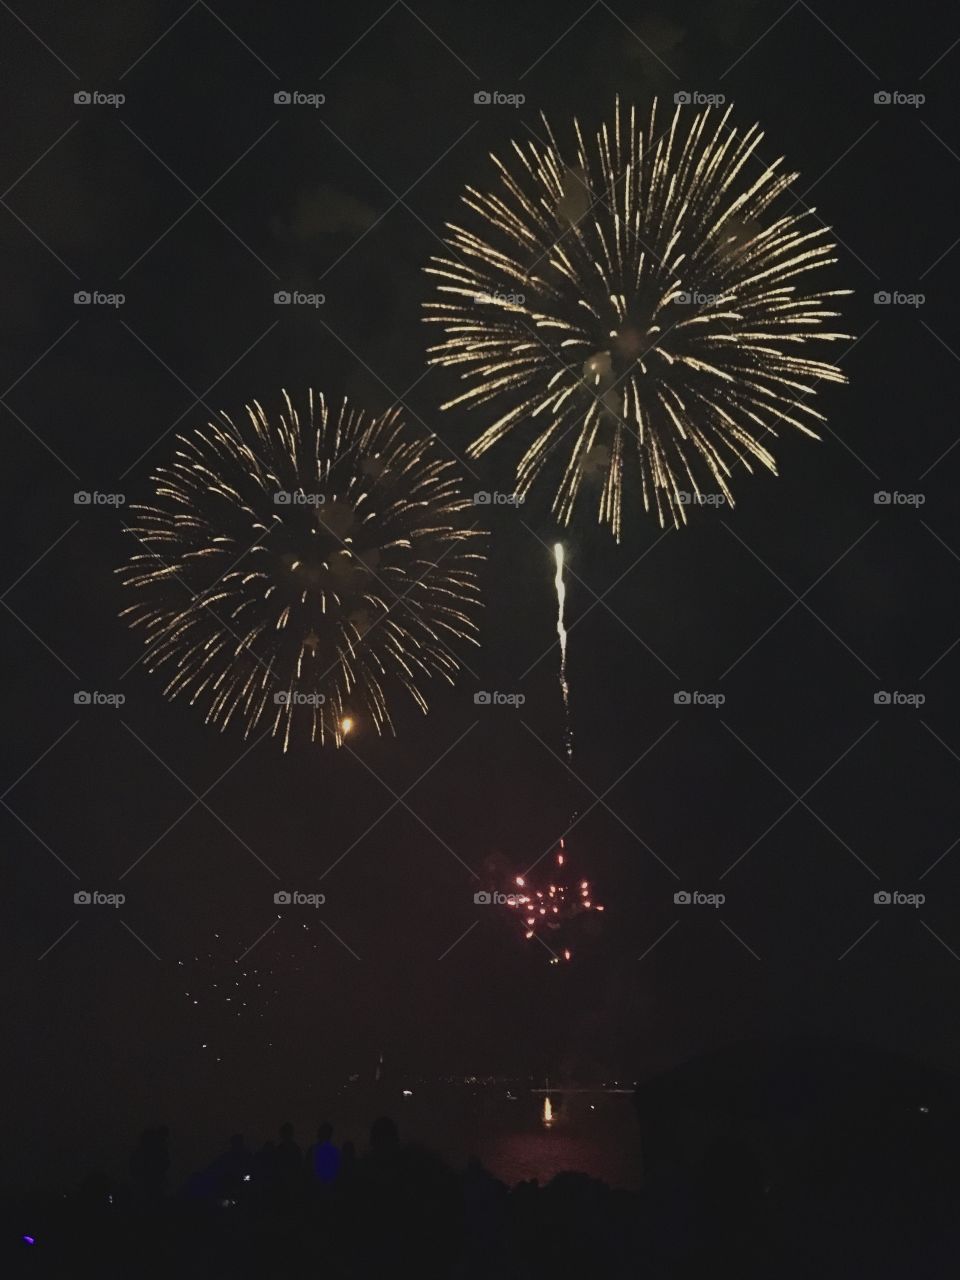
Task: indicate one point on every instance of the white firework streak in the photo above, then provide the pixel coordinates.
(639, 312)
(562, 634)
(297, 569)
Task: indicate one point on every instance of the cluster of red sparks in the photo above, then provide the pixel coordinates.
(547, 911)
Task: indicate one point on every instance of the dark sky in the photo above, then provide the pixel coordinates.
(198, 198)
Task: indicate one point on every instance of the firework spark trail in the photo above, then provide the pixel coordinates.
(646, 329)
(297, 569)
(548, 912)
(562, 633)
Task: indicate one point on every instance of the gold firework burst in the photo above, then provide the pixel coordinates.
(296, 570)
(642, 307)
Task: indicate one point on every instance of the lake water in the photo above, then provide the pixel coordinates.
(594, 1133)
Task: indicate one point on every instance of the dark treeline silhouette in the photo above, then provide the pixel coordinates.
(876, 1200)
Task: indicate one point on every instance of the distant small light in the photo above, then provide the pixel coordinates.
(29, 1240)
(925, 1110)
(246, 1177)
(346, 724)
(408, 1093)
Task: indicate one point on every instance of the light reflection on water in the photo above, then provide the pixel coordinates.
(516, 1157)
(593, 1134)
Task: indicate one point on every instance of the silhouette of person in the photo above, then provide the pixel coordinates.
(266, 1161)
(384, 1138)
(233, 1167)
(287, 1157)
(324, 1157)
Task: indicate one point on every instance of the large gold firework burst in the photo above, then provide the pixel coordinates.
(295, 570)
(641, 307)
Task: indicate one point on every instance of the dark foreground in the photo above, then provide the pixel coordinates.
(398, 1210)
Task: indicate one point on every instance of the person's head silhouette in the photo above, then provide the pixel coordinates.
(383, 1134)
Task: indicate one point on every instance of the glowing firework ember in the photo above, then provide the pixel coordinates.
(548, 912)
(640, 310)
(295, 571)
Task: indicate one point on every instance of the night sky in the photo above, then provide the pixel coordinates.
(799, 798)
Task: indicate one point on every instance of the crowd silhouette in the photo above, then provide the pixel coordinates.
(322, 1209)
